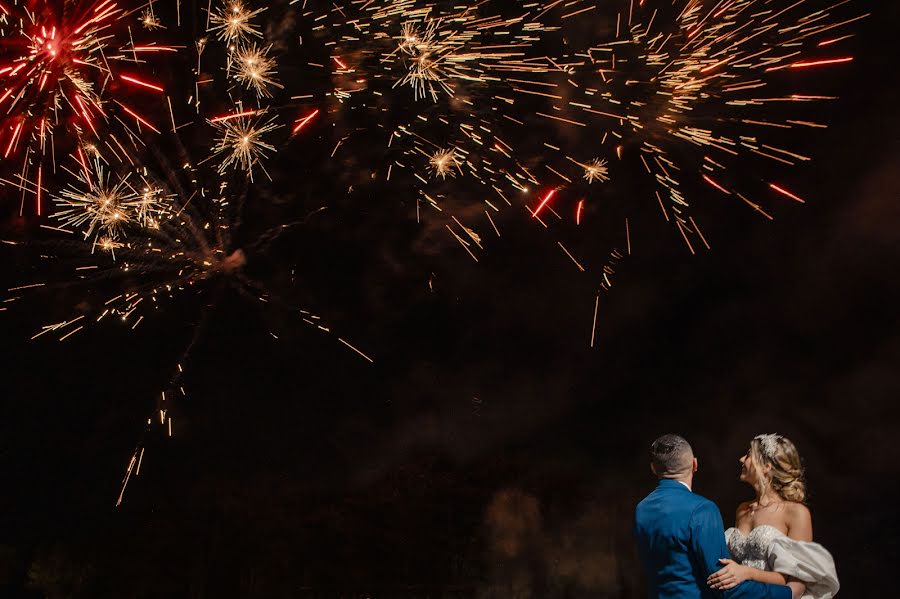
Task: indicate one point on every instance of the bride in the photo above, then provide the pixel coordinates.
(771, 540)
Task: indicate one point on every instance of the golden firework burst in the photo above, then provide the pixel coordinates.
(443, 162)
(255, 69)
(232, 22)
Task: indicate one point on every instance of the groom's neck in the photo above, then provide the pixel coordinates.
(687, 481)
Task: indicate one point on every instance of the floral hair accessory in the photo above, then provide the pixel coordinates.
(769, 444)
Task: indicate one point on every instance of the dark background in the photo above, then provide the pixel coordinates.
(488, 451)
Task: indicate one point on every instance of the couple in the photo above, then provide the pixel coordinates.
(685, 551)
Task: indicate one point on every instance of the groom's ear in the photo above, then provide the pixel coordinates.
(694, 465)
(653, 469)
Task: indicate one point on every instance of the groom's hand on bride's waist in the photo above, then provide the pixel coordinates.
(729, 576)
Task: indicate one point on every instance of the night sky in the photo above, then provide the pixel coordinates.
(488, 451)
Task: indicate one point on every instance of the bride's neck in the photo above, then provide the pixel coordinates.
(767, 497)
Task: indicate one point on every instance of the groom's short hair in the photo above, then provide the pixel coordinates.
(671, 456)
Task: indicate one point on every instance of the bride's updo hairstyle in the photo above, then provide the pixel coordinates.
(786, 476)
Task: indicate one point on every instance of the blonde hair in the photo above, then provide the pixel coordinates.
(787, 474)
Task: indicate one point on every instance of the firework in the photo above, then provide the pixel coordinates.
(103, 208)
(596, 170)
(424, 56)
(498, 101)
(255, 70)
(704, 97)
(475, 108)
(696, 93)
(141, 231)
(691, 92)
(232, 22)
(241, 142)
(445, 162)
(58, 63)
(149, 20)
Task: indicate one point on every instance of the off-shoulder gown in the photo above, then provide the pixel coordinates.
(767, 548)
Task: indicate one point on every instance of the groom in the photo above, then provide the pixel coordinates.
(679, 534)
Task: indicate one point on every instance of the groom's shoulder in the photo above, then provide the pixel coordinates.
(673, 508)
(700, 500)
(701, 503)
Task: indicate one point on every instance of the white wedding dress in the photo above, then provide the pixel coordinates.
(767, 548)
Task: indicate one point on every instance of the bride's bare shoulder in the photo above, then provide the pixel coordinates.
(799, 521)
(797, 511)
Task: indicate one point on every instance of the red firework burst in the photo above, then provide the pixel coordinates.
(58, 66)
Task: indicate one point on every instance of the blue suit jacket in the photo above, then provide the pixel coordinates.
(680, 539)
